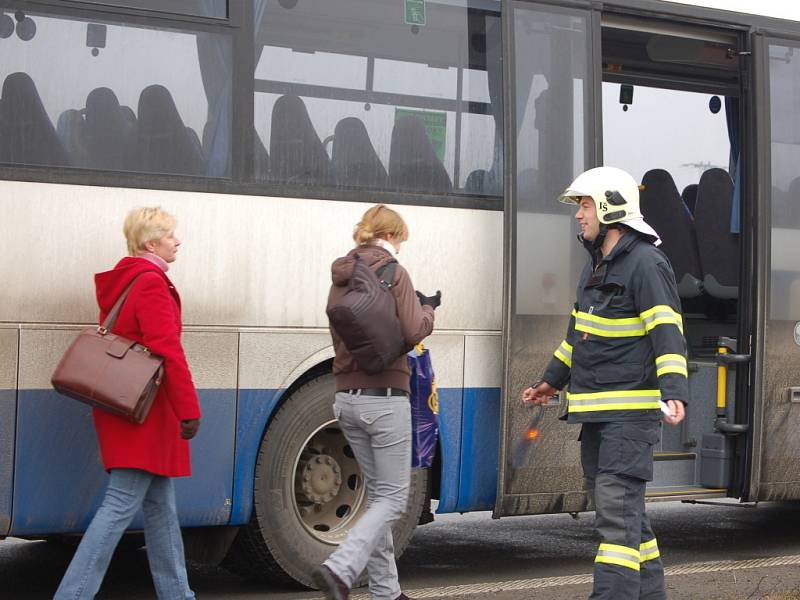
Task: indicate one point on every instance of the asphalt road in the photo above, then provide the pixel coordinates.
(711, 552)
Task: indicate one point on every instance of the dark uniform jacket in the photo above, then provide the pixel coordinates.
(624, 349)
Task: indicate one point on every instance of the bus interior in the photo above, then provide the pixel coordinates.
(672, 118)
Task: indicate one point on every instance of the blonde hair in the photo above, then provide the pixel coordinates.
(144, 225)
(378, 222)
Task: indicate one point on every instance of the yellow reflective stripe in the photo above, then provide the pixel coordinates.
(671, 363)
(619, 400)
(564, 353)
(649, 550)
(605, 327)
(618, 555)
(661, 315)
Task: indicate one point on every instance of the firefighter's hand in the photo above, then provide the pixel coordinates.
(189, 428)
(539, 393)
(676, 412)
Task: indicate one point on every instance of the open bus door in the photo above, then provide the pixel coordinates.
(775, 453)
(550, 133)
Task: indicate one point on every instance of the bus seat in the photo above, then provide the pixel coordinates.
(689, 197)
(663, 208)
(476, 181)
(163, 144)
(483, 182)
(260, 159)
(27, 135)
(296, 152)
(110, 134)
(413, 163)
(719, 248)
(71, 130)
(353, 156)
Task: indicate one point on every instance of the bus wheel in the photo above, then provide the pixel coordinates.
(308, 492)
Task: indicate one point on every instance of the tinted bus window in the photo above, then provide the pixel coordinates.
(201, 8)
(102, 95)
(348, 94)
(784, 97)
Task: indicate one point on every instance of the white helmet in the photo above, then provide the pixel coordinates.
(616, 197)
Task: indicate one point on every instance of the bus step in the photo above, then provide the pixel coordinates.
(661, 456)
(688, 492)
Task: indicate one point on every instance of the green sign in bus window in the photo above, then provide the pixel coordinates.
(415, 12)
(435, 126)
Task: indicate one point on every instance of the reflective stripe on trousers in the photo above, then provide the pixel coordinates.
(617, 462)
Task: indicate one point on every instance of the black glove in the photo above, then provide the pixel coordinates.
(432, 301)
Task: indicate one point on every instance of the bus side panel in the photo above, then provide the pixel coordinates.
(479, 452)
(269, 363)
(255, 409)
(59, 477)
(451, 403)
(8, 417)
(447, 358)
(481, 423)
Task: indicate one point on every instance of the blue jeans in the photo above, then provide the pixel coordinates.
(379, 432)
(128, 490)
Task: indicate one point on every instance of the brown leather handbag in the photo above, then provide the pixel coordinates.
(109, 371)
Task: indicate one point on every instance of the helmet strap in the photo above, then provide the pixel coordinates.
(595, 245)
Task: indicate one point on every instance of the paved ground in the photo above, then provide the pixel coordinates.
(711, 553)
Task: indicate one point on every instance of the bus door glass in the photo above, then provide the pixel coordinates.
(553, 98)
(776, 459)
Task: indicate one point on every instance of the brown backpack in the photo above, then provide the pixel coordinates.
(366, 318)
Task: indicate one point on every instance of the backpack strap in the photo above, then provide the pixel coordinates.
(386, 274)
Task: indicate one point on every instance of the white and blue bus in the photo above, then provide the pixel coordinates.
(268, 126)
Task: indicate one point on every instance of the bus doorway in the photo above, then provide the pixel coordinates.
(672, 117)
(664, 101)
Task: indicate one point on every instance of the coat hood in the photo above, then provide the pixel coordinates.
(373, 256)
(110, 284)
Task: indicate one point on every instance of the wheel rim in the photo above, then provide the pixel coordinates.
(329, 491)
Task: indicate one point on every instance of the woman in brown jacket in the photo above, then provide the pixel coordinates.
(375, 417)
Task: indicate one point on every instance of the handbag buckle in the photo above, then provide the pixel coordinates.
(102, 330)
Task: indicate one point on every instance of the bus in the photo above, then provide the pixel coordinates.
(269, 126)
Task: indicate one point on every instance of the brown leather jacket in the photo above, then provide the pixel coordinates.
(416, 322)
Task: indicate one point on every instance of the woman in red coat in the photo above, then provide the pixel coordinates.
(142, 459)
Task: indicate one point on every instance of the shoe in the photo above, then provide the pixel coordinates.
(402, 596)
(329, 584)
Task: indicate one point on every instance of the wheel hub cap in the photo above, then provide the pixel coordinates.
(321, 479)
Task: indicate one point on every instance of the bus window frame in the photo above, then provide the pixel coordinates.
(234, 18)
(241, 180)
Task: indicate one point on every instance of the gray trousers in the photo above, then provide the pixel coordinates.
(617, 461)
(378, 429)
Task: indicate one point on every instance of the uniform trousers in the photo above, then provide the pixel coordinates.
(617, 459)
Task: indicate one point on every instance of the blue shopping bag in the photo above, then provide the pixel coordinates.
(424, 408)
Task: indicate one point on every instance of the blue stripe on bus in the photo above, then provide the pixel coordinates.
(8, 417)
(59, 479)
(477, 486)
(255, 408)
(451, 404)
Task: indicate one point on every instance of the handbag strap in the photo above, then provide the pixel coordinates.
(111, 317)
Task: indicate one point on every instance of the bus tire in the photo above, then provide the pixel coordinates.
(308, 492)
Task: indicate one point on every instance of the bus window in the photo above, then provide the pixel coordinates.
(377, 103)
(678, 125)
(784, 65)
(135, 98)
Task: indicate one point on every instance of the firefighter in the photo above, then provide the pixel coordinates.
(624, 359)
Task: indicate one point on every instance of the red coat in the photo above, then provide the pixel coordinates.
(151, 316)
